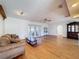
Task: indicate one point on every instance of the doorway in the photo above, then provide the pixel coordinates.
(60, 30)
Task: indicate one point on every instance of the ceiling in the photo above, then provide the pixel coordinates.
(34, 10)
(73, 6)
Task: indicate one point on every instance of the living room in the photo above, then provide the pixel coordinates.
(39, 29)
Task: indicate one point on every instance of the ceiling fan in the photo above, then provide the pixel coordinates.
(47, 20)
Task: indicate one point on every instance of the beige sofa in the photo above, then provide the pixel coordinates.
(12, 49)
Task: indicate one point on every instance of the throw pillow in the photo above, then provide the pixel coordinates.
(15, 40)
(4, 41)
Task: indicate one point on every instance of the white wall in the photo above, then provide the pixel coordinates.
(53, 28)
(17, 26)
(54, 24)
(20, 27)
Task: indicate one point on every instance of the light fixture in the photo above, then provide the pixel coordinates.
(74, 5)
(76, 16)
(47, 20)
(20, 13)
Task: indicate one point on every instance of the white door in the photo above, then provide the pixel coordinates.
(60, 30)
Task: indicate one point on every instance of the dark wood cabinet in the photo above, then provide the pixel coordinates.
(73, 30)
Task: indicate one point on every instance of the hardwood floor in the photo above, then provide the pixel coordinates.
(52, 48)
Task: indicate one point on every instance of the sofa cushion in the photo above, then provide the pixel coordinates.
(12, 37)
(7, 36)
(12, 46)
(4, 41)
(15, 40)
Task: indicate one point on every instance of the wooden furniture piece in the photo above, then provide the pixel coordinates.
(73, 30)
(2, 13)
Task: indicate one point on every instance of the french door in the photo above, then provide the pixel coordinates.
(34, 31)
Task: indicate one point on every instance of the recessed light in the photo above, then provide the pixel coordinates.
(20, 13)
(74, 5)
(76, 16)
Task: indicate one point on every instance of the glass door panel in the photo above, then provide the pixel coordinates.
(38, 31)
(45, 31)
(76, 28)
(31, 32)
(69, 28)
(34, 31)
(73, 28)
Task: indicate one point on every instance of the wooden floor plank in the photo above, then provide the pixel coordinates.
(53, 48)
